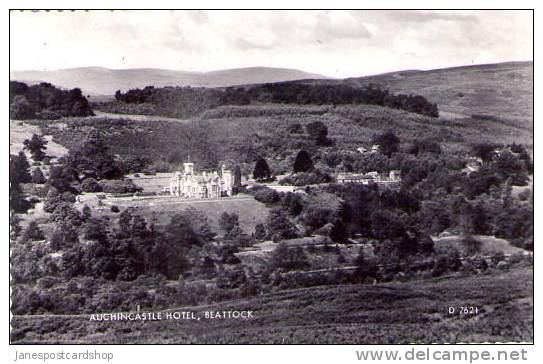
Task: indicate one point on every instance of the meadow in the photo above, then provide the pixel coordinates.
(395, 313)
(161, 209)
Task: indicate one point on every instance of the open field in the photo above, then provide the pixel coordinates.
(489, 244)
(393, 313)
(161, 208)
(152, 183)
(151, 118)
(19, 132)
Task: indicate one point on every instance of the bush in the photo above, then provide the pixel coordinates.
(498, 257)
(476, 263)
(289, 258)
(119, 186)
(440, 266)
(266, 195)
(471, 245)
(90, 185)
(115, 209)
(37, 176)
(306, 178)
(32, 233)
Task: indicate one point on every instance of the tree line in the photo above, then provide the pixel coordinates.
(190, 101)
(45, 101)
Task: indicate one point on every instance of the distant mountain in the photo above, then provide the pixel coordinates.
(104, 81)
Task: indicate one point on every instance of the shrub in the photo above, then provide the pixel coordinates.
(119, 186)
(115, 208)
(37, 176)
(497, 257)
(471, 245)
(440, 266)
(306, 178)
(32, 232)
(289, 258)
(266, 195)
(90, 185)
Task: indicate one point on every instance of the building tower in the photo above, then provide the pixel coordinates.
(189, 168)
(227, 180)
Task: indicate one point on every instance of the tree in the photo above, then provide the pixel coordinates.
(91, 158)
(64, 212)
(36, 146)
(485, 151)
(293, 203)
(260, 231)
(55, 199)
(425, 146)
(471, 245)
(279, 226)
(262, 170)
(37, 176)
(20, 108)
(338, 233)
(303, 162)
(90, 185)
(386, 225)
(388, 142)
(507, 165)
(86, 213)
(237, 176)
(365, 268)
(18, 169)
(227, 222)
(179, 231)
(288, 258)
(64, 236)
(17, 201)
(318, 132)
(60, 177)
(32, 232)
(14, 226)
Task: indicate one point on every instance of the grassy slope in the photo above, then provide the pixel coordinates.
(489, 244)
(504, 90)
(19, 132)
(237, 134)
(410, 312)
(351, 126)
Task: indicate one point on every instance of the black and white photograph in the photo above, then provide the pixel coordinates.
(271, 177)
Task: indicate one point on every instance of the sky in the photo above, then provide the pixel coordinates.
(332, 43)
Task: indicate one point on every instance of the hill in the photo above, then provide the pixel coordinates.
(502, 90)
(105, 81)
(238, 134)
(395, 313)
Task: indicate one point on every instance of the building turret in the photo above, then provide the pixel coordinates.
(189, 168)
(227, 180)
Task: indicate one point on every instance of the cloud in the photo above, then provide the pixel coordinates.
(336, 43)
(418, 16)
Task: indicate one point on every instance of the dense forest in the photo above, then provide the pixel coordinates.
(185, 102)
(45, 101)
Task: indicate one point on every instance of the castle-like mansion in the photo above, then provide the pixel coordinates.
(188, 184)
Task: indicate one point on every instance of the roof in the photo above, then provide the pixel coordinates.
(354, 177)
